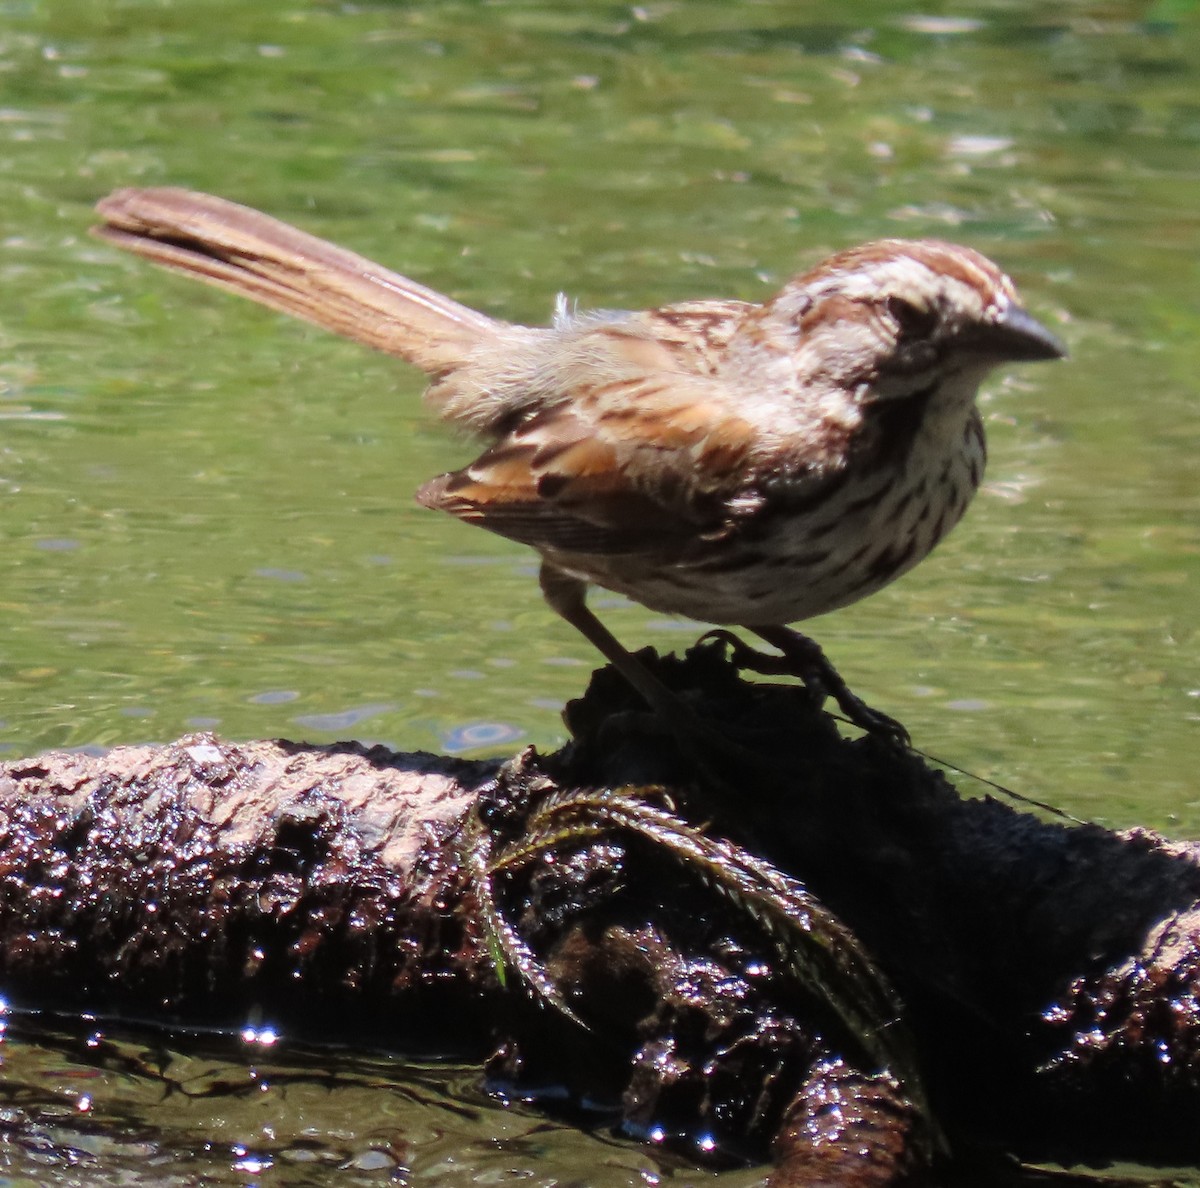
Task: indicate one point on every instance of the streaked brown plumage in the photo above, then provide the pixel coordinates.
(732, 462)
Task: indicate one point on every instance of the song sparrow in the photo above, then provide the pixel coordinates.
(732, 462)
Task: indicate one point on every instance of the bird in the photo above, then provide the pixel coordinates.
(748, 464)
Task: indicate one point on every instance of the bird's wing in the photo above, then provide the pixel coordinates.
(645, 465)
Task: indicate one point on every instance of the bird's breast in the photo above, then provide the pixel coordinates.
(819, 550)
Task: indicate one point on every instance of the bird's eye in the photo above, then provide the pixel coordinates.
(913, 321)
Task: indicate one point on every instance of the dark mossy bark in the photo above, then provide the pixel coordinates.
(1048, 972)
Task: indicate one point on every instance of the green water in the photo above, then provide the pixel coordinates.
(205, 510)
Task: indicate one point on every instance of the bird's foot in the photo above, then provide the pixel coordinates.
(803, 658)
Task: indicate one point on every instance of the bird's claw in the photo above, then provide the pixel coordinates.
(802, 658)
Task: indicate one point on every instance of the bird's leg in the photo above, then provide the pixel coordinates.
(706, 747)
(802, 657)
(566, 595)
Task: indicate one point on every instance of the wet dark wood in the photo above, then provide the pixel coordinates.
(1049, 972)
(200, 880)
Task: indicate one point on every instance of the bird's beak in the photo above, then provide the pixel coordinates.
(1015, 336)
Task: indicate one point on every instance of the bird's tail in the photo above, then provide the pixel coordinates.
(271, 262)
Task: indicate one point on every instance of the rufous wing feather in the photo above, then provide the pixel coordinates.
(569, 481)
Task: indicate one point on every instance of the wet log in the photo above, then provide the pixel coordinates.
(208, 882)
(1048, 972)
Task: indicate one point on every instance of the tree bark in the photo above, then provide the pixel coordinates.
(203, 881)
